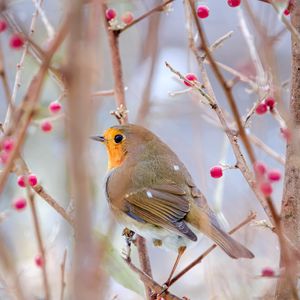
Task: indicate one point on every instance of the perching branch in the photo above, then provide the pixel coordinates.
(154, 286)
(251, 217)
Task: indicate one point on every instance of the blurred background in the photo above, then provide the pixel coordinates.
(184, 123)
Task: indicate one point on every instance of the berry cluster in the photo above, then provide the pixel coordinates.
(266, 177)
(31, 179)
(264, 106)
(20, 203)
(54, 108)
(16, 41)
(203, 10)
(127, 17)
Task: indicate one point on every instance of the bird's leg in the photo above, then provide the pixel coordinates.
(181, 250)
(128, 234)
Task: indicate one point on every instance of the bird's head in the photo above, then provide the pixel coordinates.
(123, 140)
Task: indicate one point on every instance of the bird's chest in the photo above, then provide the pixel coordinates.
(116, 186)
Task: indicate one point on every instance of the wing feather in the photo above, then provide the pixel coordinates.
(164, 206)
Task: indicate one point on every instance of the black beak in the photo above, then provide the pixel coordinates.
(98, 138)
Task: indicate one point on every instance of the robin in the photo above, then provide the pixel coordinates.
(151, 192)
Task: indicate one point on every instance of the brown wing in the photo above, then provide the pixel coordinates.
(164, 205)
(201, 202)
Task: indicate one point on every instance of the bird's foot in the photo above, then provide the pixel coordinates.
(128, 234)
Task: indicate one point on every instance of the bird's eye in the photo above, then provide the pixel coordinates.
(118, 138)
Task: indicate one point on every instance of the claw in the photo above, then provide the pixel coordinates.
(129, 234)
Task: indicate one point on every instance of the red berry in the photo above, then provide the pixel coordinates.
(234, 3)
(46, 126)
(19, 203)
(267, 272)
(270, 102)
(3, 25)
(260, 168)
(190, 77)
(261, 108)
(54, 107)
(127, 17)
(8, 144)
(286, 134)
(274, 175)
(4, 157)
(39, 261)
(32, 179)
(110, 14)
(16, 41)
(266, 188)
(216, 172)
(286, 12)
(202, 11)
(21, 181)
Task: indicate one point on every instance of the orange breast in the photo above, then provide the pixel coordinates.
(116, 155)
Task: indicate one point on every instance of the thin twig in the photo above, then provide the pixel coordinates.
(3, 75)
(28, 105)
(39, 189)
(103, 93)
(158, 8)
(218, 43)
(48, 26)
(198, 87)
(62, 276)
(226, 88)
(241, 161)
(228, 92)
(249, 218)
(260, 73)
(113, 41)
(17, 82)
(260, 144)
(38, 234)
(254, 86)
(251, 111)
(148, 281)
(54, 204)
(151, 47)
(287, 23)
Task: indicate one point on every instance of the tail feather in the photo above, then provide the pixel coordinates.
(199, 219)
(233, 248)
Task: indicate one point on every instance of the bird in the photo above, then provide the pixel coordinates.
(151, 192)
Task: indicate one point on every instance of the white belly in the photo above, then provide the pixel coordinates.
(170, 240)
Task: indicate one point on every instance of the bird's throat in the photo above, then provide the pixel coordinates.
(116, 156)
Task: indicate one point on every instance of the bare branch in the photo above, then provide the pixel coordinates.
(62, 274)
(250, 217)
(158, 8)
(148, 281)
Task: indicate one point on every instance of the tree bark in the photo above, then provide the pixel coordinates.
(290, 211)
